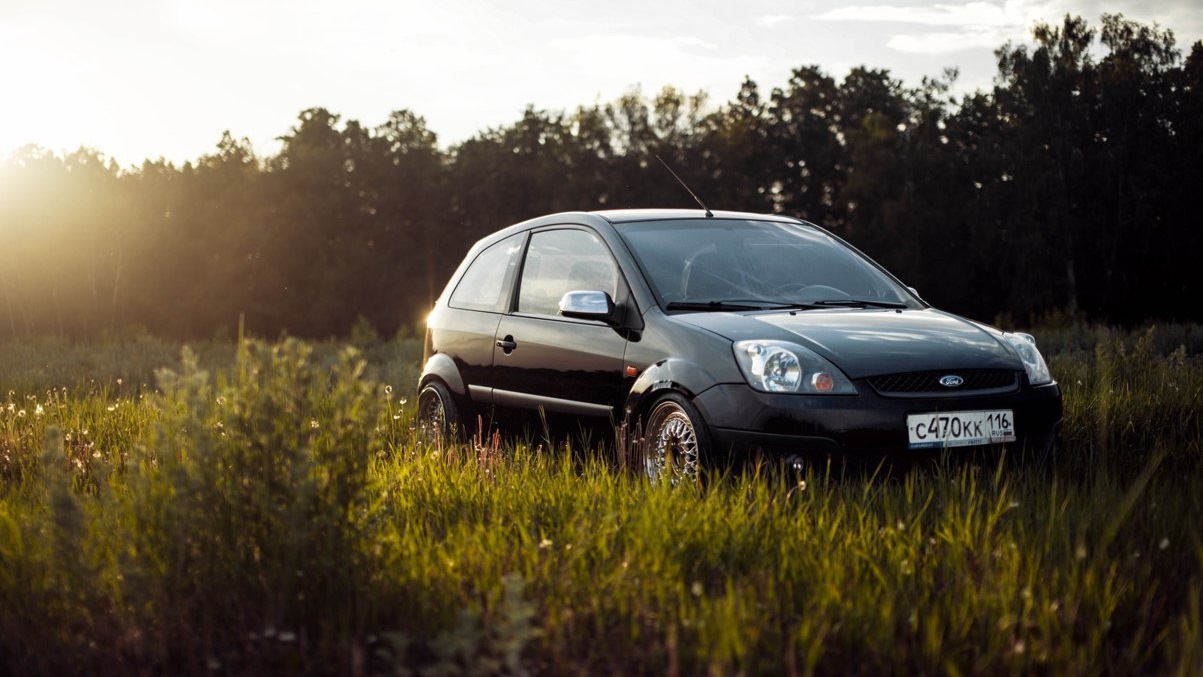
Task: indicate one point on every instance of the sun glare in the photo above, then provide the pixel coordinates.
(46, 93)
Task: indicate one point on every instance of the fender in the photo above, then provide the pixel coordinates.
(681, 376)
(443, 368)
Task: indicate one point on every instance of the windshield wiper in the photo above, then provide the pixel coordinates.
(722, 306)
(856, 303)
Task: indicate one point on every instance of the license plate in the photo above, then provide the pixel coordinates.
(960, 428)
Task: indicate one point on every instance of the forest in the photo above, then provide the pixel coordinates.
(1065, 191)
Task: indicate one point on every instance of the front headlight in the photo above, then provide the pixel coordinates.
(783, 367)
(1033, 361)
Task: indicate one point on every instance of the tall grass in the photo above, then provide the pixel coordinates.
(276, 514)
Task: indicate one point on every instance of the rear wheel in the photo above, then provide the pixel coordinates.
(438, 416)
(675, 442)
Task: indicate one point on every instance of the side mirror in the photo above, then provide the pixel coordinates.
(589, 305)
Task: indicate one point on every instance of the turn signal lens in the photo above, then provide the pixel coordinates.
(822, 382)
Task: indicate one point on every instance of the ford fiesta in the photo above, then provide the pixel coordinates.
(719, 335)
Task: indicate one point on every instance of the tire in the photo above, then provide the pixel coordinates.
(675, 442)
(439, 418)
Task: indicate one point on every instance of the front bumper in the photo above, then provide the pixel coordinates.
(743, 421)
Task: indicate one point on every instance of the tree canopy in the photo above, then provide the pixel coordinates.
(1066, 188)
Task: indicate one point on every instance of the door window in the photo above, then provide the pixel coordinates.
(560, 261)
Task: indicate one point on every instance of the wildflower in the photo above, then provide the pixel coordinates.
(696, 589)
(1081, 552)
(402, 401)
(545, 544)
(1165, 543)
(111, 407)
(313, 424)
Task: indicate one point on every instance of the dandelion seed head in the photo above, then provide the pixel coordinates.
(38, 411)
(696, 589)
(402, 401)
(1165, 543)
(388, 390)
(20, 413)
(1080, 553)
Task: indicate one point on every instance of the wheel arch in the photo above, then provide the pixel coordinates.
(667, 376)
(440, 367)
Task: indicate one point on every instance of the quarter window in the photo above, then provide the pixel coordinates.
(486, 283)
(560, 261)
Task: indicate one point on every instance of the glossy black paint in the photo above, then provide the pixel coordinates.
(615, 368)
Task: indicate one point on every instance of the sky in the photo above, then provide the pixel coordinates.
(163, 79)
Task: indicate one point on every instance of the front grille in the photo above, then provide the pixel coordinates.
(927, 383)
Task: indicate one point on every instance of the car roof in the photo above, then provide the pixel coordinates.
(617, 217)
(628, 215)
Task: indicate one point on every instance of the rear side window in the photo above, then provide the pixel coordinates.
(486, 283)
(560, 261)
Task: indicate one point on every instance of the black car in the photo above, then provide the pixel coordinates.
(722, 335)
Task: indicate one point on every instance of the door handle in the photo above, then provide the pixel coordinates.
(507, 345)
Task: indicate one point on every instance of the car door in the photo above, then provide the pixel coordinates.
(545, 360)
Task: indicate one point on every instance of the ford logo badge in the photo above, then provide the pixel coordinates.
(952, 381)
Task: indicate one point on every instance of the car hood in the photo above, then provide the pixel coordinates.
(871, 342)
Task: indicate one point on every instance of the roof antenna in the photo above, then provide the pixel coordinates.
(697, 199)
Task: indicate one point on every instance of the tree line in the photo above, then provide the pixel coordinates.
(1066, 189)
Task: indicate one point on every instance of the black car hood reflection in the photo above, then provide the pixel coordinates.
(870, 342)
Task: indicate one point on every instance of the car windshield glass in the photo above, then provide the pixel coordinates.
(700, 261)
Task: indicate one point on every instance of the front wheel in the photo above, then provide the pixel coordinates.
(438, 416)
(675, 442)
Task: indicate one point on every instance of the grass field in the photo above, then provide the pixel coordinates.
(252, 507)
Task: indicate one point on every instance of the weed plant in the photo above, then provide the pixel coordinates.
(276, 514)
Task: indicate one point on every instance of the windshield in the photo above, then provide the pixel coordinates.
(730, 264)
